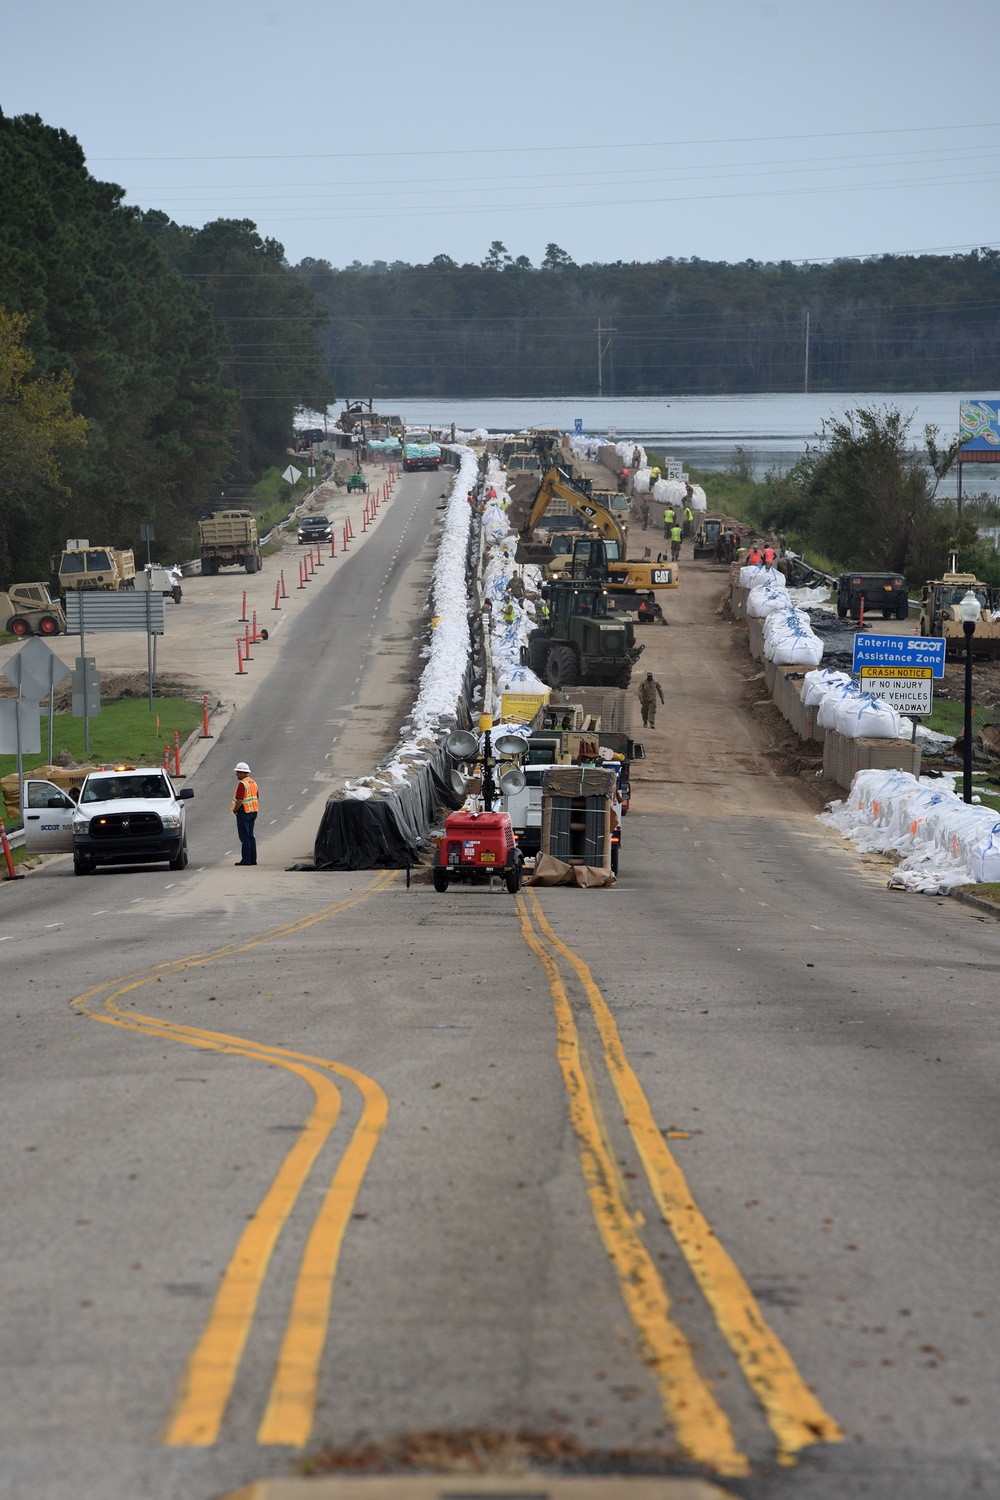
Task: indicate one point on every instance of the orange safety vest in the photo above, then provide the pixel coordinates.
(248, 802)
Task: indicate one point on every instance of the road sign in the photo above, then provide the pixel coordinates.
(20, 727)
(292, 475)
(85, 673)
(129, 609)
(910, 690)
(578, 425)
(35, 669)
(875, 651)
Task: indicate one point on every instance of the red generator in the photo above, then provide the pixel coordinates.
(475, 847)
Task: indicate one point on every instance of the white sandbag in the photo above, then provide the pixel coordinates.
(795, 649)
(831, 700)
(640, 481)
(765, 600)
(698, 500)
(866, 718)
(754, 575)
(816, 684)
(986, 856)
(786, 619)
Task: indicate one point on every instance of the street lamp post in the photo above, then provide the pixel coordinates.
(969, 611)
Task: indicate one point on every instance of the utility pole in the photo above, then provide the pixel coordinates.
(602, 349)
(805, 359)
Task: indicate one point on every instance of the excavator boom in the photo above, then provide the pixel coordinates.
(623, 577)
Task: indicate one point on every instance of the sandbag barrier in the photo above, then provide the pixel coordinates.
(382, 821)
(805, 694)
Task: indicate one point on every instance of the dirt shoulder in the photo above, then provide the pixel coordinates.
(720, 747)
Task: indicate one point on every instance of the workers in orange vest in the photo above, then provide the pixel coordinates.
(246, 804)
(754, 558)
(768, 557)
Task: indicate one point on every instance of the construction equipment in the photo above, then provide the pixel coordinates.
(154, 578)
(717, 537)
(80, 566)
(28, 609)
(229, 539)
(420, 452)
(625, 578)
(868, 592)
(939, 600)
(586, 639)
(357, 483)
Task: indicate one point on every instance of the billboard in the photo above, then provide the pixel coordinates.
(979, 431)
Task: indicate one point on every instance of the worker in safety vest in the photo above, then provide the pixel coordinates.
(246, 805)
(669, 517)
(688, 520)
(509, 612)
(768, 557)
(545, 613)
(676, 533)
(754, 557)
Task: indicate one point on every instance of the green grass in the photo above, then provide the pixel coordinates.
(949, 716)
(273, 498)
(123, 731)
(988, 890)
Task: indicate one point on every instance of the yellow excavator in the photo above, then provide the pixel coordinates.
(599, 552)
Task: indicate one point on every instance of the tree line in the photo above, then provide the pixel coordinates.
(503, 327)
(144, 366)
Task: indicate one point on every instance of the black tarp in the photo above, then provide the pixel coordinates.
(388, 830)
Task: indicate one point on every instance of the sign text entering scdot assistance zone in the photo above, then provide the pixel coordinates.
(912, 651)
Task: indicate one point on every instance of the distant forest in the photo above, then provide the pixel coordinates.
(506, 328)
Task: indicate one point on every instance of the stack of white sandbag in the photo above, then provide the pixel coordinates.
(943, 841)
(641, 480)
(790, 641)
(753, 575)
(632, 455)
(843, 707)
(698, 499)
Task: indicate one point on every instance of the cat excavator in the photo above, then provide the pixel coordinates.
(599, 553)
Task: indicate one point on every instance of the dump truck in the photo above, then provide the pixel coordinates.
(28, 609)
(939, 601)
(80, 566)
(420, 451)
(228, 539)
(586, 638)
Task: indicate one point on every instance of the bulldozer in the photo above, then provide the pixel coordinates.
(586, 640)
(627, 580)
(28, 609)
(939, 600)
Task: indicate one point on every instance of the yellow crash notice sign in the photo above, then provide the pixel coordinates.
(521, 708)
(910, 690)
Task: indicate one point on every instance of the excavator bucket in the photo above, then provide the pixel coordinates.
(538, 553)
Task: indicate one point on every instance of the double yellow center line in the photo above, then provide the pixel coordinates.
(207, 1384)
(795, 1416)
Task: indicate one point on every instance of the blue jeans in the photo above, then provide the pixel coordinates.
(248, 844)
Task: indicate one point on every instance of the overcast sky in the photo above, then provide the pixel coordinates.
(400, 129)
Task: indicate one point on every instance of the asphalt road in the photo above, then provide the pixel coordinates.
(705, 1169)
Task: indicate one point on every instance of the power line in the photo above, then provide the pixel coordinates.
(817, 135)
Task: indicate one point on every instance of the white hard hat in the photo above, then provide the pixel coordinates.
(241, 765)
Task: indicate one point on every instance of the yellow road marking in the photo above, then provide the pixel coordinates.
(701, 1426)
(796, 1417)
(206, 1387)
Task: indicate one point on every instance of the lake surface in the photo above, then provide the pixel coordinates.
(704, 430)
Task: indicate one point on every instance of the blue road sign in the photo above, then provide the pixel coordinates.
(577, 424)
(899, 651)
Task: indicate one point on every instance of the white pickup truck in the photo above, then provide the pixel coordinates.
(124, 815)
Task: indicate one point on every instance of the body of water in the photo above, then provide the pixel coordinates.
(704, 430)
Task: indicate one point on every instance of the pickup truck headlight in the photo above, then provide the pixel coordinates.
(80, 823)
(170, 820)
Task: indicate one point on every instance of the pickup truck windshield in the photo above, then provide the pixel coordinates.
(125, 788)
